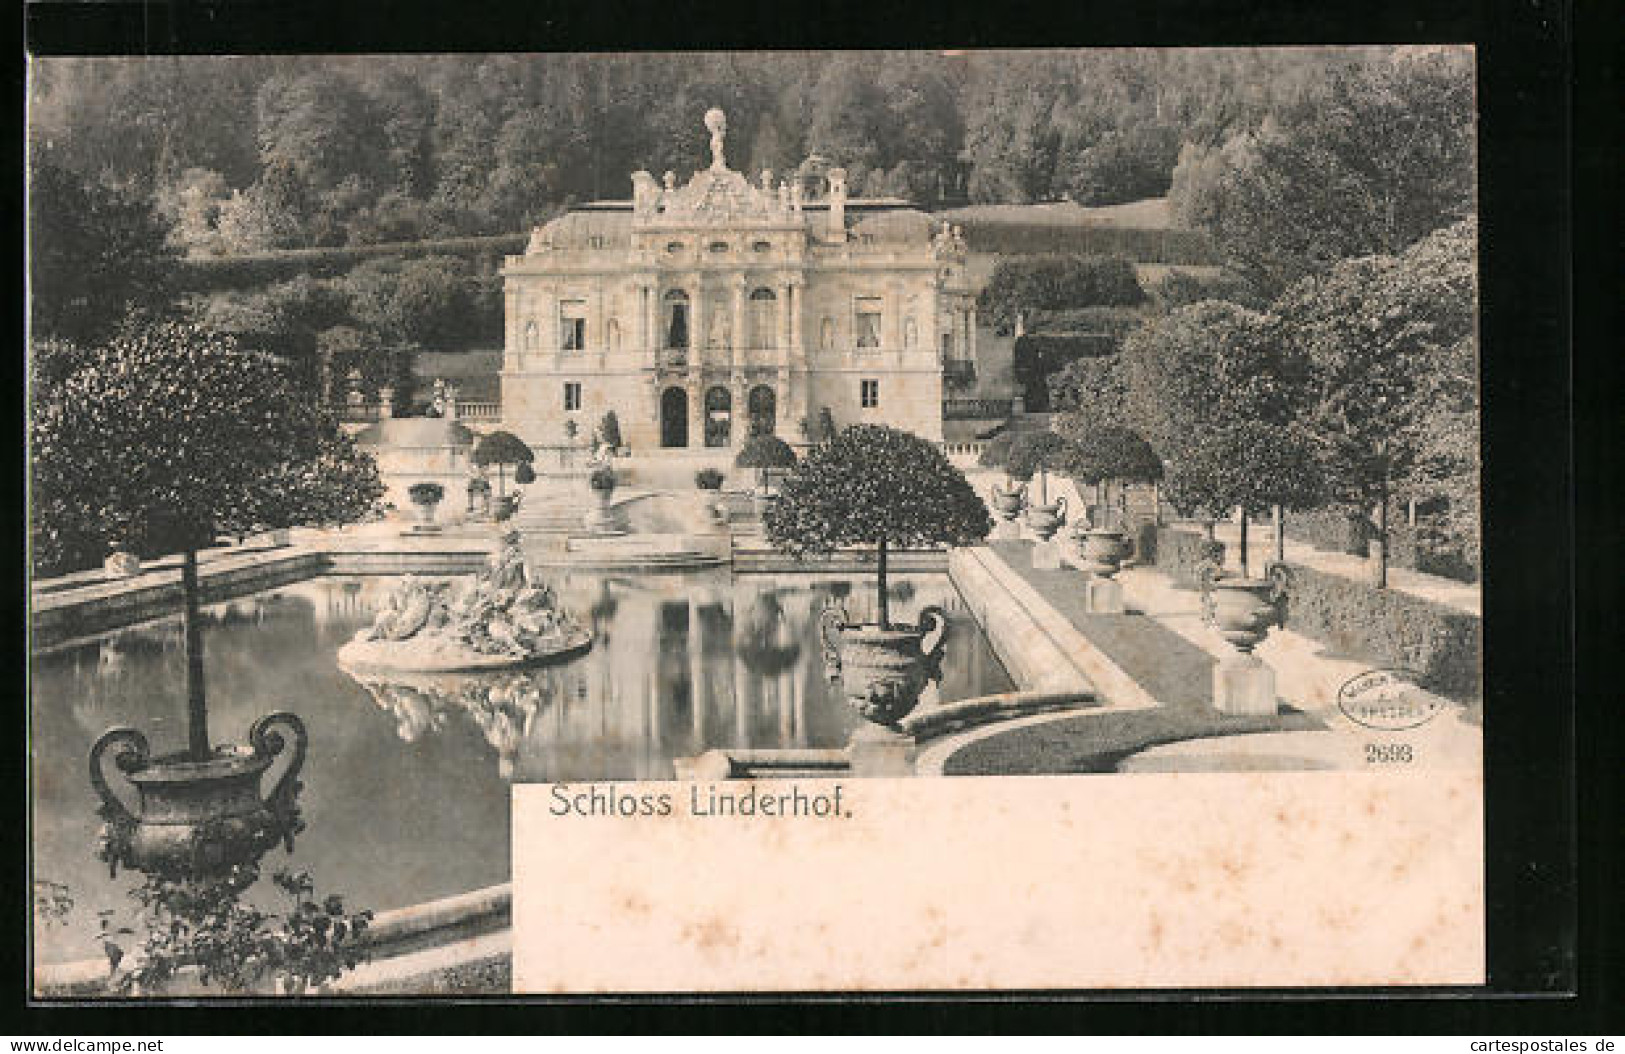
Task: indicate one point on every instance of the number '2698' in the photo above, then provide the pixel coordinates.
(1388, 754)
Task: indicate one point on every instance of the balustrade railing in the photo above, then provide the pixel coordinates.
(481, 411)
(974, 409)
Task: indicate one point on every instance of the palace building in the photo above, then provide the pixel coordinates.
(701, 312)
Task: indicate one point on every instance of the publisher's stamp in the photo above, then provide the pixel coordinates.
(1387, 700)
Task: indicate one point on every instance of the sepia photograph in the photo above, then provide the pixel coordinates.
(505, 524)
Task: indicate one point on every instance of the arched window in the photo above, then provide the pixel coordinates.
(718, 416)
(764, 311)
(677, 326)
(762, 406)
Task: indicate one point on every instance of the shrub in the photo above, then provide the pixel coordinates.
(996, 451)
(1428, 549)
(708, 479)
(826, 425)
(1388, 627)
(609, 430)
(1178, 553)
(505, 508)
(1335, 529)
(765, 453)
(602, 478)
(1035, 283)
(524, 474)
(426, 493)
(1031, 451)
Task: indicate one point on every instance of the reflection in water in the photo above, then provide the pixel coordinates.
(406, 787)
(682, 664)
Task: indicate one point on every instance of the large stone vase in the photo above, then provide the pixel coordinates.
(1103, 550)
(195, 818)
(1045, 520)
(600, 516)
(1243, 609)
(883, 671)
(1007, 502)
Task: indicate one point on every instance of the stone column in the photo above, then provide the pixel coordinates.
(697, 323)
(782, 351)
(550, 325)
(970, 329)
(696, 407)
(797, 323)
(736, 333)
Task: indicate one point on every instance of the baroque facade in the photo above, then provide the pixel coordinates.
(701, 312)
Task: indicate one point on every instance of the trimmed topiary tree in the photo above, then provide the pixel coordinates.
(426, 496)
(764, 453)
(524, 475)
(875, 486)
(609, 430)
(1249, 465)
(1102, 456)
(708, 479)
(502, 449)
(168, 436)
(1037, 454)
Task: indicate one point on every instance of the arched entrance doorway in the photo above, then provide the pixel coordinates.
(674, 418)
(763, 406)
(718, 416)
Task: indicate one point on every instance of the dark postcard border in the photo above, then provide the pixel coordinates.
(1534, 931)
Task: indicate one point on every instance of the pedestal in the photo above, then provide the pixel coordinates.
(880, 753)
(1047, 555)
(1244, 687)
(1006, 531)
(1104, 596)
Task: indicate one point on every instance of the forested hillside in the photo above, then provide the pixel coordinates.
(246, 154)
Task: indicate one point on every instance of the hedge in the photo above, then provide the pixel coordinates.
(204, 274)
(1418, 548)
(1185, 248)
(1335, 530)
(1177, 553)
(1387, 627)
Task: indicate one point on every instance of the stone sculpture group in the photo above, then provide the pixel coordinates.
(500, 619)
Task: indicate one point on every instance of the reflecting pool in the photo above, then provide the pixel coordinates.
(406, 785)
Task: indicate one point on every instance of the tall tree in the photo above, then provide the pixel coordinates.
(1380, 158)
(95, 253)
(168, 436)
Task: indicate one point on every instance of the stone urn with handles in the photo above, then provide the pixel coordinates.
(1008, 501)
(1103, 549)
(191, 818)
(1243, 609)
(1045, 520)
(883, 671)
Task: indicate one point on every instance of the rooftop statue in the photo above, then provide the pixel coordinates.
(717, 122)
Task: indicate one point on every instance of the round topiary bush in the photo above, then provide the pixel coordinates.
(524, 474)
(708, 479)
(602, 479)
(426, 493)
(764, 453)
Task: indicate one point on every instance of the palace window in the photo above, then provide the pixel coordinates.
(572, 325)
(572, 396)
(764, 306)
(761, 247)
(718, 247)
(677, 319)
(869, 393)
(868, 321)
